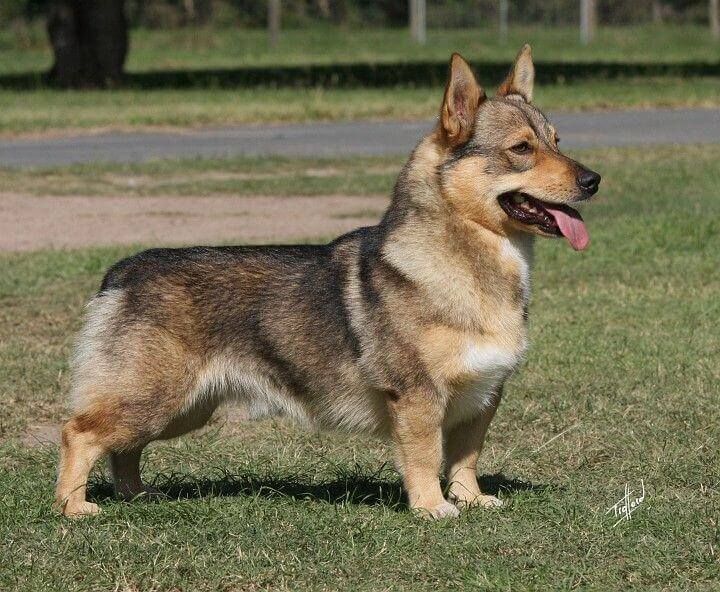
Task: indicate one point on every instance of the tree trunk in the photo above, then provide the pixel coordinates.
(189, 6)
(90, 42)
(324, 8)
(714, 14)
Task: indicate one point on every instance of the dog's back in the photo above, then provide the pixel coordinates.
(269, 325)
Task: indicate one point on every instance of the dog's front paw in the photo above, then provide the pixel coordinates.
(78, 510)
(442, 510)
(480, 501)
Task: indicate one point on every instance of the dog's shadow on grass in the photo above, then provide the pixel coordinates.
(352, 489)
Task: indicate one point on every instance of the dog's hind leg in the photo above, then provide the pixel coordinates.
(80, 449)
(144, 390)
(106, 423)
(189, 420)
(125, 465)
(125, 469)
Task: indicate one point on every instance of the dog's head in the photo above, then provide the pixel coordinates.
(502, 166)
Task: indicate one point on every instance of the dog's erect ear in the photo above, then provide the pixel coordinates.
(463, 96)
(521, 77)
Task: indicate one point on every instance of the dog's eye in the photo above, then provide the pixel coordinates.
(521, 148)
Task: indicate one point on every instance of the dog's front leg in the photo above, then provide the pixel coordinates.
(463, 444)
(417, 434)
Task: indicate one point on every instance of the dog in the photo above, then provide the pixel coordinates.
(407, 329)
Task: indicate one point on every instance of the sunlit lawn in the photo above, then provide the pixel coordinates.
(25, 49)
(33, 112)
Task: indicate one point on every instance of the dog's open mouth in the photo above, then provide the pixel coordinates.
(557, 219)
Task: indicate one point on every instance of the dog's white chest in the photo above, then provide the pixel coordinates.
(488, 360)
(486, 368)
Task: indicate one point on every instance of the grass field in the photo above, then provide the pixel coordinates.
(32, 112)
(621, 384)
(236, 176)
(25, 49)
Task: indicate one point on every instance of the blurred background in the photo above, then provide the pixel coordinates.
(666, 51)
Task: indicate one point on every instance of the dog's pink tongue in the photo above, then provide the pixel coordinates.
(571, 225)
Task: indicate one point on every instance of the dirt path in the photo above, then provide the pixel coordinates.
(30, 223)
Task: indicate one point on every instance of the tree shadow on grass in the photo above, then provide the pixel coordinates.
(357, 489)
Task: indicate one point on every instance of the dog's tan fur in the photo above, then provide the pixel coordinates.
(407, 330)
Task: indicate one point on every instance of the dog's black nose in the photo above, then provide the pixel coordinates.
(589, 181)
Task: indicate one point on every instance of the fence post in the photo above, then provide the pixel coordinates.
(503, 20)
(657, 11)
(273, 22)
(714, 18)
(418, 19)
(587, 21)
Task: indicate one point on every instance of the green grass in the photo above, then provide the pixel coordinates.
(26, 49)
(31, 112)
(275, 175)
(621, 384)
